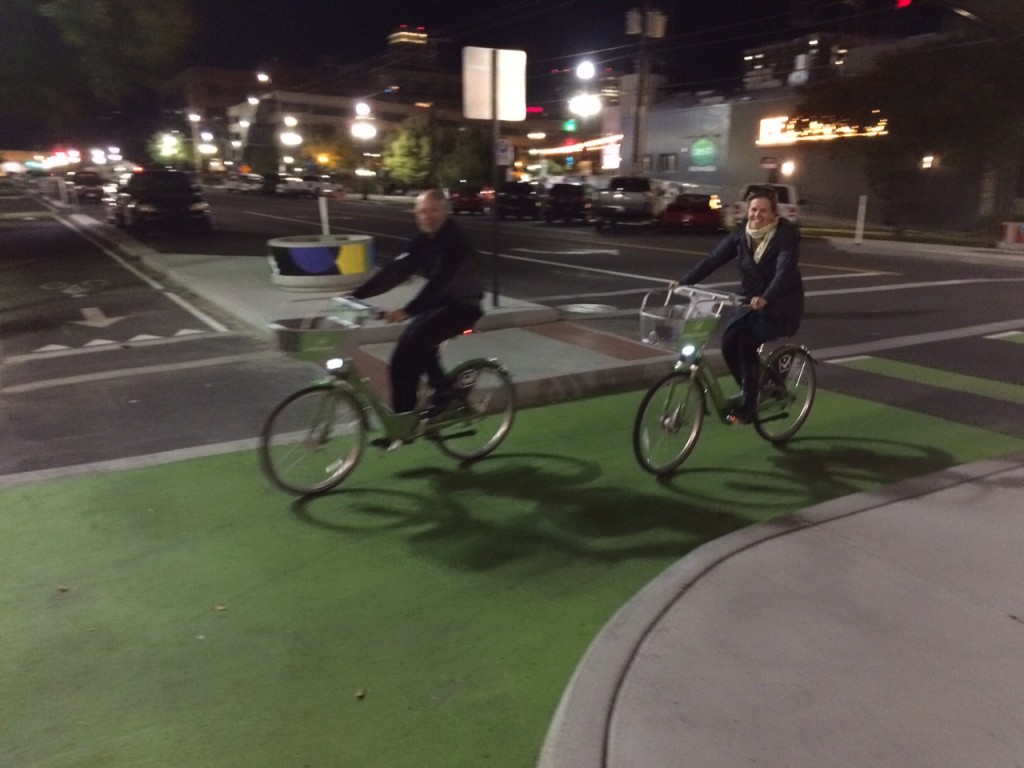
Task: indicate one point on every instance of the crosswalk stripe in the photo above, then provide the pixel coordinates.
(936, 377)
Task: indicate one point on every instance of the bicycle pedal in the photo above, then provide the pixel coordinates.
(386, 443)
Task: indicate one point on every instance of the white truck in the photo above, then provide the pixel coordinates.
(306, 186)
(789, 203)
(626, 198)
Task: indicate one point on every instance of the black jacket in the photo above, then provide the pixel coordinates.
(448, 262)
(776, 276)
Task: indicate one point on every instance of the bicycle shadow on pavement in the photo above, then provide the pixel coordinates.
(816, 469)
(523, 505)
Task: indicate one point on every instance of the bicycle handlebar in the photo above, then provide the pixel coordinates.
(360, 306)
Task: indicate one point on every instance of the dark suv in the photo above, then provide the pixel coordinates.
(519, 198)
(159, 198)
(567, 202)
(87, 185)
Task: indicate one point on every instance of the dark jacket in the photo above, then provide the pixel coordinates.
(776, 277)
(448, 262)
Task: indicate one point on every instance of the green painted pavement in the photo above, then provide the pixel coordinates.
(424, 615)
(934, 377)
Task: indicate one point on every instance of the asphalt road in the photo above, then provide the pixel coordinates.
(101, 360)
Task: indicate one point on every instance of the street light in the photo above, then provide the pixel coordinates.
(585, 70)
(585, 104)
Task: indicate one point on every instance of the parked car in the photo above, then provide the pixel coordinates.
(568, 202)
(627, 198)
(159, 198)
(87, 186)
(693, 211)
(789, 203)
(310, 185)
(243, 182)
(469, 199)
(521, 199)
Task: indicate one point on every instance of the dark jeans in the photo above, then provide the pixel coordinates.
(416, 352)
(740, 343)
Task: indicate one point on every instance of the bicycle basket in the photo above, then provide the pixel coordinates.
(687, 319)
(316, 339)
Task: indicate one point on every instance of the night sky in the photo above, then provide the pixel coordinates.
(702, 46)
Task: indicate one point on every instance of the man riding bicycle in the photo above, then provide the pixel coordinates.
(447, 305)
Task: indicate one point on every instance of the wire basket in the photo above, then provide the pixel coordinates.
(316, 339)
(687, 316)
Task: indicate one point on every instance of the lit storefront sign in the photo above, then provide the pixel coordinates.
(784, 130)
(703, 155)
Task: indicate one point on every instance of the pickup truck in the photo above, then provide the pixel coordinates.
(626, 198)
(307, 186)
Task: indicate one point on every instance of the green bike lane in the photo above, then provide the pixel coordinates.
(188, 614)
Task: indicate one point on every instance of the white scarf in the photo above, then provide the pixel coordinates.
(761, 237)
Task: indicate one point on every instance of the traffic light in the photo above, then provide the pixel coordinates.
(569, 125)
(903, 3)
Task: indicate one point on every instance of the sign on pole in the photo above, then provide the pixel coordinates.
(504, 152)
(482, 80)
(494, 88)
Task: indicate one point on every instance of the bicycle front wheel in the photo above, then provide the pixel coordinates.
(313, 439)
(483, 419)
(668, 422)
(786, 394)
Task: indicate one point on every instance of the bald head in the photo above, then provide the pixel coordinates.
(431, 211)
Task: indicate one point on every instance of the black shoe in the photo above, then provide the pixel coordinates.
(739, 416)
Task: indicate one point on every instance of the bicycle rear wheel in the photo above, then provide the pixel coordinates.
(786, 394)
(481, 421)
(668, 422)
(313, 439)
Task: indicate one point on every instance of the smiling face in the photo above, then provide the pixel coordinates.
(761, 212)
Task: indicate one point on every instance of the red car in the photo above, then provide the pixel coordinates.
(469, 199)
(691, 211)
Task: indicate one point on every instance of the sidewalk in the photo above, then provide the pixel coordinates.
(884, 628)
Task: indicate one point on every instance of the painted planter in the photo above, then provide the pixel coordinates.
(321, 262)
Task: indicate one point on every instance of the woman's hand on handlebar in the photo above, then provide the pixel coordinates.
(396, 315)
(758, 303)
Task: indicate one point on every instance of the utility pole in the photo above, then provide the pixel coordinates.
(648, 24)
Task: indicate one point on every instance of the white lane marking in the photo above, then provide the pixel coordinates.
(898, 342)
(360, 230)
(132, 462)
(94, 317)
(1006, 335)
(194, 311)
(911, 286)
(141, 371)
(60, 350)
(582, 252)
(637, 291)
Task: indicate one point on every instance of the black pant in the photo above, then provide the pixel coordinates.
(416, 352)
(740, 343)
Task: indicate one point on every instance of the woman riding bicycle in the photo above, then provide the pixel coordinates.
(766, 247)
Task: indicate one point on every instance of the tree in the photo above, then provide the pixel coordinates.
(65, 59)
(955, 99)
(122, 44)
(338, 147)
(466, 154)
(408, 159)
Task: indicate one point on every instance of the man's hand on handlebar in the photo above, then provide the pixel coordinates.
(395, 315)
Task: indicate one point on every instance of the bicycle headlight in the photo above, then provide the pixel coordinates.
(688, 351)
(335, 364)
